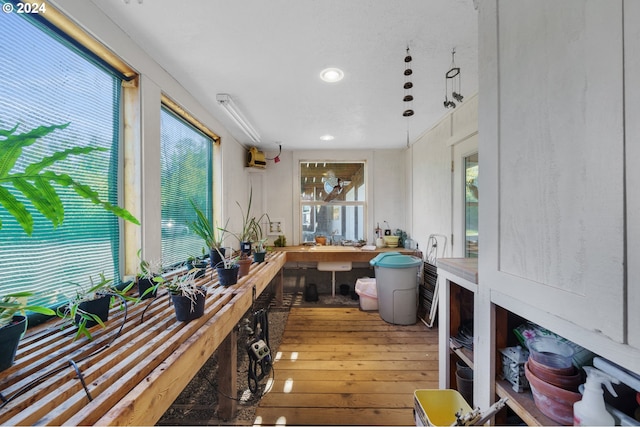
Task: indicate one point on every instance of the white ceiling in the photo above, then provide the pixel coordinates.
(267, 54)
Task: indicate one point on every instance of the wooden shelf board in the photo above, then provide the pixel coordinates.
(464, 354)
(523, 405)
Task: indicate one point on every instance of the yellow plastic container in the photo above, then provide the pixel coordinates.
(438, 407)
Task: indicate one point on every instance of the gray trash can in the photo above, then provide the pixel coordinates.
(397, 287)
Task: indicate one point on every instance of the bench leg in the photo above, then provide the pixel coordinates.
(280, 288)
(227, 376)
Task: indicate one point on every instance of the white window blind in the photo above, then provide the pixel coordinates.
(186, 174)
(47, 80)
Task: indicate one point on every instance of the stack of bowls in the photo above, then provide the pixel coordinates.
(392, 241)
(553, 379)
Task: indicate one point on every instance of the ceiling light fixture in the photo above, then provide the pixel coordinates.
(327, 138)
(231, 108)
(331, 75)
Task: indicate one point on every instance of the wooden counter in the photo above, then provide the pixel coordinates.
(306, 254)
(465, 268)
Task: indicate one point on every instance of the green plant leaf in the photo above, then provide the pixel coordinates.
(39, 200)
(11, 147)
(17, 210)
(35, 182)
(52, 197)
(40, 309)
(36, 168)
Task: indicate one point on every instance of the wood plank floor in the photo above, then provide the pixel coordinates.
(344, 366)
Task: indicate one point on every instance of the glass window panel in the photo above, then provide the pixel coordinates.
(186, 171)
(471, 206)
(48, 81)
(332, 200)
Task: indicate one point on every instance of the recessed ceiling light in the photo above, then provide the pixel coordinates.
(326, 137)
(331, 75)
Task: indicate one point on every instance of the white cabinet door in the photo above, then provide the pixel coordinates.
(552, 214)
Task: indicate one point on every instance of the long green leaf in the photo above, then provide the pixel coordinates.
(8, 132)
(35, 168)
(39, 200)
(35, 182)
(11, 147)
(17, 210)
(52, 196)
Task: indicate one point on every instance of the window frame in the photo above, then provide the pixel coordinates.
(75, 39)
(180, 114)
(298, 221)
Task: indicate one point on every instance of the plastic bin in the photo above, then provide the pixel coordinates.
(397, 287)
(366, 289)
(438, 407)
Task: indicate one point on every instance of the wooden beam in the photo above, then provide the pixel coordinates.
(227, 377)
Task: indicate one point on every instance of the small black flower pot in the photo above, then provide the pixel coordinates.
(228, 276)
(9, 339)
(259, 256)
(200, 268)
(143, 285)
(99, 307)
(186, 309)
(214, 257)
(245, 248)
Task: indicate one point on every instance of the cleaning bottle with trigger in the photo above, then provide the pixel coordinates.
(590, 411)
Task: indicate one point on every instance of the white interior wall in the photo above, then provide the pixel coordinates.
(385, 184)
(430, 189)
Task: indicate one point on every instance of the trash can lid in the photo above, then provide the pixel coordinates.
(395, 260)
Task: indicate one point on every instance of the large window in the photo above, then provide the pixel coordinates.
(186, 175)
(47, 80)
(332, 201)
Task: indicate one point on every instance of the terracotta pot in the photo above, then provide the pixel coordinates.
(555, 402)
(568, 381)
(245, 265)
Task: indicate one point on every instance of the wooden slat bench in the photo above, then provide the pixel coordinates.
(133, 379)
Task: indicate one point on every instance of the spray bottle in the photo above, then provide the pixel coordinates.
(590, 411)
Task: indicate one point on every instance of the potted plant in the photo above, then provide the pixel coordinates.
(90, 307)
(228, 269)
(197, 265)
(251, 227)
(147, 277)
(13, 324)
(187, 297)
(260, 250)
(213, 236)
